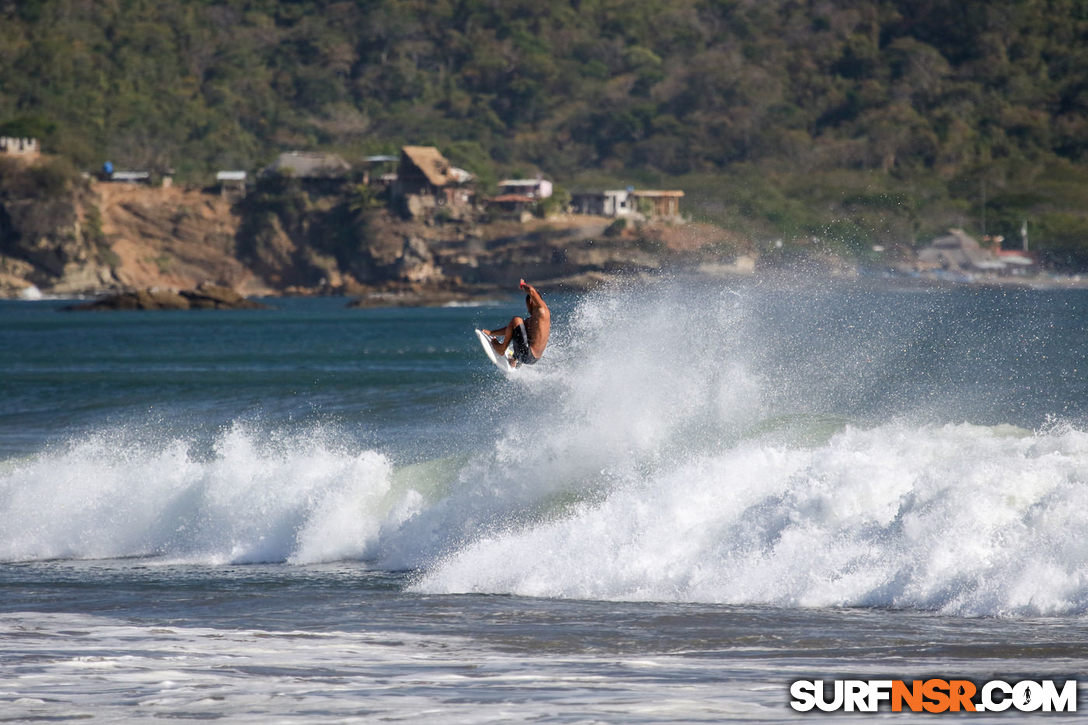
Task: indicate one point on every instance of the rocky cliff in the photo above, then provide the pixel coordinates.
(45, 238)
(88, 237)
(75, 236)
(172, 237)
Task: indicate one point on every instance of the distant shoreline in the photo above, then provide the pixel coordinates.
(472, 295)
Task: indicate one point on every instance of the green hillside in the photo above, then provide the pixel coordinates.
(856, 121)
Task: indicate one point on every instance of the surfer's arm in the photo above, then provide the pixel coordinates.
(534, 296)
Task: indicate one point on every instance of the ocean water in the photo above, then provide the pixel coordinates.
(704, 492)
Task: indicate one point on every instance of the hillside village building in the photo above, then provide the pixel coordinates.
(131, 177)
(379, 169)
(425, 178)
(614, 203)
(959, 252)
(307, 165)
(231, 183)
(318, 172)
(658, 204)
(113, 176)
(531, 188)
(628, 203)
(27, 148)
(512, 205)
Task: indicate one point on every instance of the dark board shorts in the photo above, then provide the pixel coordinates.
(520, 342)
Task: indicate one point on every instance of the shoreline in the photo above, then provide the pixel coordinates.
(166, 241)
(416, 295)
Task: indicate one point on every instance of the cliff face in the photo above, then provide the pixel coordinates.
(44, 244)
(172, 237)
(87, 238)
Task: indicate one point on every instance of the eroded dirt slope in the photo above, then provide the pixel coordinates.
(172, 237)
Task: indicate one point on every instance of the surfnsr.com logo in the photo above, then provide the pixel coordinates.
(933, 695)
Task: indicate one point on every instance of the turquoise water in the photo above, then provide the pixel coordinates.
(703, 492)
(391, 375)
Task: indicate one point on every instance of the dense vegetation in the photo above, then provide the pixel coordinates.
(855, 121)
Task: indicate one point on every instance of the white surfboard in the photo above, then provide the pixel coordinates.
(502, 363)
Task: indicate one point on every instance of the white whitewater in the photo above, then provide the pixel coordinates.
(656, 456)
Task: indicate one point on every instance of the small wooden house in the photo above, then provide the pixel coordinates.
(517, 206)
(658, 204)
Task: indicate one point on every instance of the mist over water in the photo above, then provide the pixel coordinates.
(751, 444)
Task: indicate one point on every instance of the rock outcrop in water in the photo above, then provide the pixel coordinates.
(204, 297)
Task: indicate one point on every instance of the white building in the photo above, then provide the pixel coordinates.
(231, 182)
(611, 203)
(25, 147)
(532, 188)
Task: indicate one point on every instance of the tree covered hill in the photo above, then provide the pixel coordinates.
(855, 120)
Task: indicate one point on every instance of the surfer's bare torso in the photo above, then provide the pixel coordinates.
(538, 324)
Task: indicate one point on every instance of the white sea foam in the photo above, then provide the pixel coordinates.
(663, 467)
(299, 499)
(117, 671)
(960, 519)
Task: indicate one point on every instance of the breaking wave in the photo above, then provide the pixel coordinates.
(702, 445)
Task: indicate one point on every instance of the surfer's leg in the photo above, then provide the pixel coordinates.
(506, 334)
(519, 340)
(493, 334)
(497, 333)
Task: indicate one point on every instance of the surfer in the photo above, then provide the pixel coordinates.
(528, 335)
